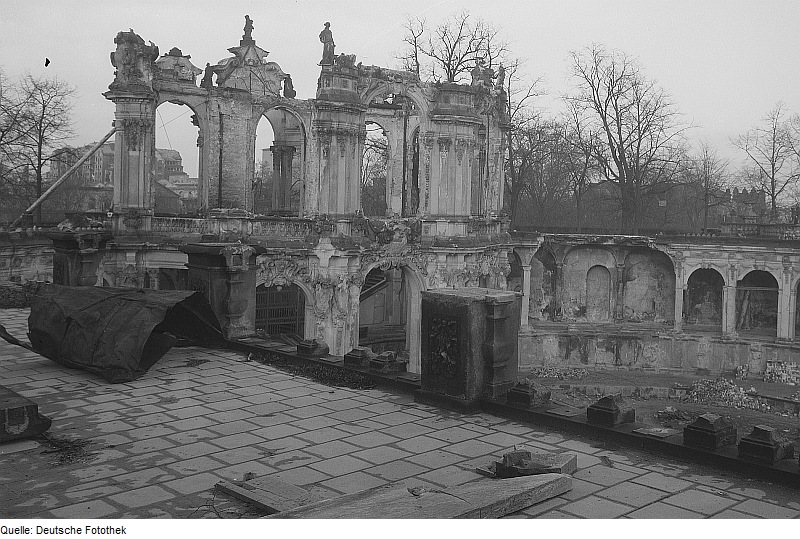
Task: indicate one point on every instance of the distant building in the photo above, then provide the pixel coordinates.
(91, 189)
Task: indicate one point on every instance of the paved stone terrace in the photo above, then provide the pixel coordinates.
(198, 416)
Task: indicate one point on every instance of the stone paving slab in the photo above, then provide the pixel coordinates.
(157, 445)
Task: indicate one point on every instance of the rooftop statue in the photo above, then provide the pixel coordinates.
(326, 38)
(248, 28)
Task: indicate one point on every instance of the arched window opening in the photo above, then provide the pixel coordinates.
(702, 304)
(757, 304)
(374, 172)
(280, 310)
(177, 160)
(278, 168)
(382, 310)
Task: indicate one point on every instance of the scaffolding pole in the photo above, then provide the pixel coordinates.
(63, 178)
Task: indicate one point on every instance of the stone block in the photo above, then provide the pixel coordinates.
(358, 357)
(765, 445)
(528, 393)
(522, 462)
(388, 363)
(469, 345)
(19, 417)
(610, 411)
(312, 348)
(709, 431)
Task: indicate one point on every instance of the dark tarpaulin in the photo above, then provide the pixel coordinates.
(118, 333)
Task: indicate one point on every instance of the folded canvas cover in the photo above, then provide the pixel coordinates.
(118, 333)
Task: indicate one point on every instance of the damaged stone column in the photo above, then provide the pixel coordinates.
(77, 256)
(134, 143)
(226, 274)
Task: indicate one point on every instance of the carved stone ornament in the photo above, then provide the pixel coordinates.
(279, 271)
(132, 219)
(134, 130)
(134, 62)
(443, 346)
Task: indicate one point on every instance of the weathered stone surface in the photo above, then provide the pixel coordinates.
(469, 345)
(764, 444)
(709, 431)
(529, 393)
(312, 348)
(358, 357)
(388, 362)
(611, 410)
(19, 417)
(523, 462)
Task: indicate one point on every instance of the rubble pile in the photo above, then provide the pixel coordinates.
(561, 374)
(723, 392)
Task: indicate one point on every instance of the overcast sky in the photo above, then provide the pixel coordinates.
(726, 63)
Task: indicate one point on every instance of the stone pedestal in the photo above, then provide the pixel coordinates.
(765, 445)
(610, 411)
(358, 357)
(226, 274)
(469, 343)
(77, 256)
(388, 363)
(529, 394)
(709, 431)
(19, 417)
(312, 348)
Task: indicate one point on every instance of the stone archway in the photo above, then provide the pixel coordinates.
(703, 305)
(282, 180)
(757, 304)
(399, 310)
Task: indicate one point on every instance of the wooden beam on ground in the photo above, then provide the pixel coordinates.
(268, 494)
(478, 499)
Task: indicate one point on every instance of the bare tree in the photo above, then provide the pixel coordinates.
(520, 93)
(772, 153)
(640, 129)
(581, 145)
(44, 126)
(413, 41)
(708, 173)
(450, 50)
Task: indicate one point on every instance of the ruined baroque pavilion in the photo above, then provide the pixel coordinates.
(316, 266)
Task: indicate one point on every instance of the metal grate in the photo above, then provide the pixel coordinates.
(280, 309)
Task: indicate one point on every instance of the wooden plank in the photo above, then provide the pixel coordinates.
(478, 499)
(260, 499)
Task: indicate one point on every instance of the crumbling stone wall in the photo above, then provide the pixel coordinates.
(649, 287)
(576, 293)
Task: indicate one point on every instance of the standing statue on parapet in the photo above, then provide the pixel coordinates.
(501, 77)
(326, 38)
(248, 28)
(288, 87)
(206, 82)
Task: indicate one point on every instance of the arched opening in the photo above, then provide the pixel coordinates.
(514, 279)
(543, 305)
(280, 310)
(598, 294)
(415, 188)
(278, 167)
(177, 160)
(649, 287)
(702, 303)
(374, 172)
(382, 311)
(757, 304)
